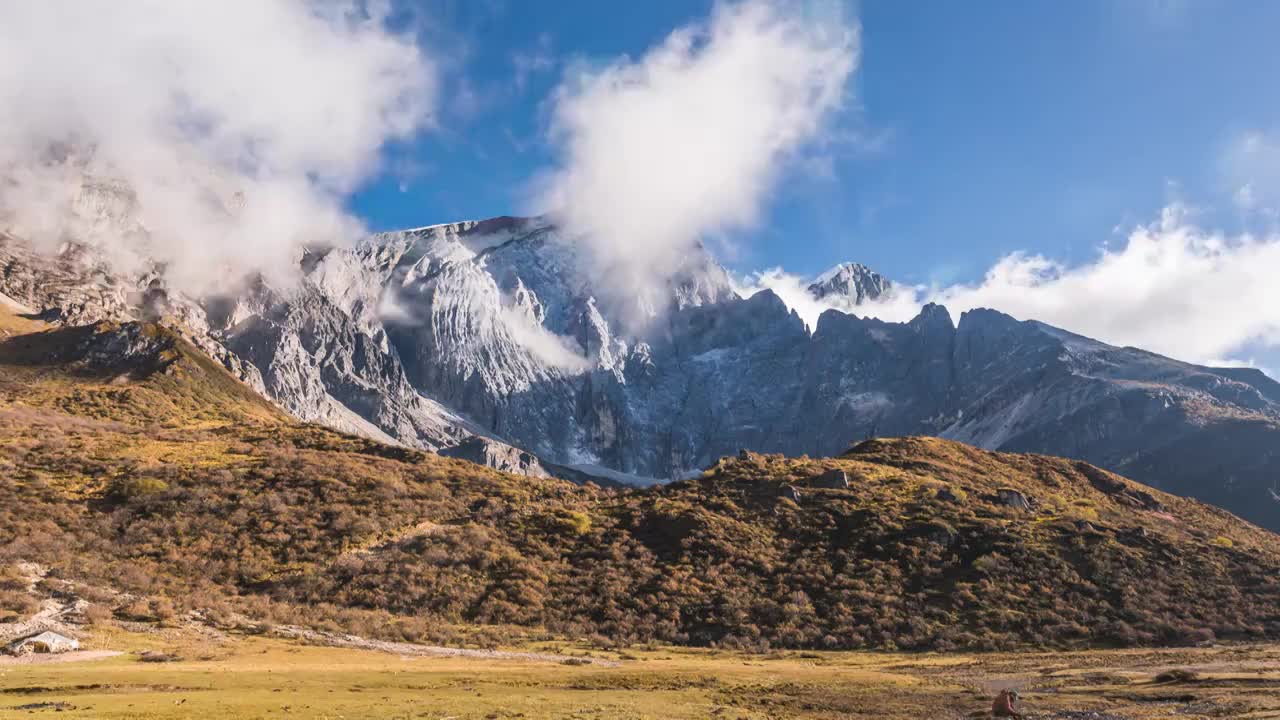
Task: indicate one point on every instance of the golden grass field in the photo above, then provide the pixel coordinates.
(253, 677)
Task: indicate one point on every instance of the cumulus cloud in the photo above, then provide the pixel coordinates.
(792, 289)
(1172, 287)
(215, 138)
(688, 140)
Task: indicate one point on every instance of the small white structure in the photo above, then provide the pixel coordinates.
(42, 642)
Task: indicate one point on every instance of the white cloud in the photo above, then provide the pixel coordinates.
(792, 289)
(236, 128)
(898, 305)
(550, 348)
(689, 140)
(1172, 288)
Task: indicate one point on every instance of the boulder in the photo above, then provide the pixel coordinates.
(832, 480)
(1014, 499)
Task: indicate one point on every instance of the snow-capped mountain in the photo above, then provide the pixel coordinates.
(854, 282)
(488, 340)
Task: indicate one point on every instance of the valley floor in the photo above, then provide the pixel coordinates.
(255, 677)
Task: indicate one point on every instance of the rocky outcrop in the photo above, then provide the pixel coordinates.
(138, 348)
(831, 480)
(497, 455)
(1014, 499)
(76, 287)
(1120, 489)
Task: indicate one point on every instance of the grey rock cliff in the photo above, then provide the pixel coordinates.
(488, 341)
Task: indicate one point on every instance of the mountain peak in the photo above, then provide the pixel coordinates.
(851, 280)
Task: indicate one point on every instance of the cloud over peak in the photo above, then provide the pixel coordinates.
(212, 138)
(688, 140)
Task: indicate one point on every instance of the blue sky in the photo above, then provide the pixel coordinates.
(980, 130)
(1089, 164)
(1109, 167)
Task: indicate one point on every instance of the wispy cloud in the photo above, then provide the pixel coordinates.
(534, 61)
(552, 349)
(1251, 168)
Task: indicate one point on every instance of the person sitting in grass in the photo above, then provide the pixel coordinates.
(1003, 705)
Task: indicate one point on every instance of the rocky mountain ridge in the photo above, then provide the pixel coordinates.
(142, 475)
(488, 340)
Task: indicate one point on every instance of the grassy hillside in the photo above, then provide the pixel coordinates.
(154, 484)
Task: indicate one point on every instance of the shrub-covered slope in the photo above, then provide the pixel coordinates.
(129, 460)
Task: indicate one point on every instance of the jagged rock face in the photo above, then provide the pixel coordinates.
(1207, 433)
(497, 321)
(489, 339)
(77, 288)
(500, 456)
(325, 368)
(70, 287)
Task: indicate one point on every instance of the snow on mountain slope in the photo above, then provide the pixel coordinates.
(488, 341)
(497, 320)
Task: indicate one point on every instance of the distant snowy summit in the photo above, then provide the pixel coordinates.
(854, 282)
